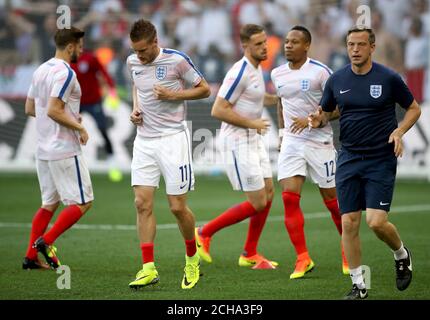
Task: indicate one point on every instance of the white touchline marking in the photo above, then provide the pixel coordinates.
(420, 208)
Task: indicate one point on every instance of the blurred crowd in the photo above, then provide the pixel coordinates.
(207, 30)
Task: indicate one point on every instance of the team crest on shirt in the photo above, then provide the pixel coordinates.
(160, 72)
(305, 85)
(375, 91)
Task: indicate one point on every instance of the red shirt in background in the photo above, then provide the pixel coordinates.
(87, 69)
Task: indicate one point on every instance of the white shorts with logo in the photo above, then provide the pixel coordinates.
(169, 156)
(298, 158)
(67, 180)
(247, 165)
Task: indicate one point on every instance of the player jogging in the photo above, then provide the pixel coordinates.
(364, 95)
(53, 99)
(299, 84)
(162, 145)
(239, 105)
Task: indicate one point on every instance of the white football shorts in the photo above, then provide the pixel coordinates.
(169, 156)
(247, 164)
(67, 180)
(297, 158)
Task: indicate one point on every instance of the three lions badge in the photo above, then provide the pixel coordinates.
(305, 85)
(160, 72)
(375, 91)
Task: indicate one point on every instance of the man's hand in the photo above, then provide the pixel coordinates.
(396, 137)
(79, 118)
(315, 118)
(261, 125)
(136, 118)
(162, 93)
(298, 124)
(83, 136)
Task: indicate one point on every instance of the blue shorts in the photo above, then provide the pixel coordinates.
(365, 181)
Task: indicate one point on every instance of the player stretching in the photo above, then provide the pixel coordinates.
(53, 98)
(239, 105)
(300, 84)
(162, 145)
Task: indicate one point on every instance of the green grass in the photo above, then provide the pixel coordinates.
(103, 262)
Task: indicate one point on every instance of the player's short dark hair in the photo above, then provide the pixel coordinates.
(63, 37)
(361, 28)
(248, 30)
(305, 31)
(142, 29)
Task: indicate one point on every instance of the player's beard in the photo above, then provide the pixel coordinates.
(260, 57)
(74, 57)
(153, 57)
(147, 60)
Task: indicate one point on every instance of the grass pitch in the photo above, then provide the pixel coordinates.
(103, 251)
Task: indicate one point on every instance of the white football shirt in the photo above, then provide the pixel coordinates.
(300, 92)
(172, 69)
(55, 78)
(243, 86)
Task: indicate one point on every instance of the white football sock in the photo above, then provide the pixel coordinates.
(400, 253)
(357, 277)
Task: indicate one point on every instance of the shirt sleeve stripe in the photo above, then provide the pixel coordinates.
(187, 58)
(66, 84)
(236, 82)
(322, 66)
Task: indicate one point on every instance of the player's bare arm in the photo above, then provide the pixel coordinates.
(56, 112)
(320, 118)
(270, 100)
(30, 109)
(200, 91)
(411, 116)
(223, 110)
(135, 116)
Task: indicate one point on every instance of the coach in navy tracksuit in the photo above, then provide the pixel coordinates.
(363, 95)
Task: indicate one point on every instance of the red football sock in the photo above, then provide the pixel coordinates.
(67, 218)
(231, 216)
(191, 247)
(40, 223)
(147, 252)
(333, 207)
(256, 225)
(294, 221)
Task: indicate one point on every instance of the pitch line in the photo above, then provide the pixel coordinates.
(421, 208)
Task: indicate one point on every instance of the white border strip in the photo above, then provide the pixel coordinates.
(423, 208)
